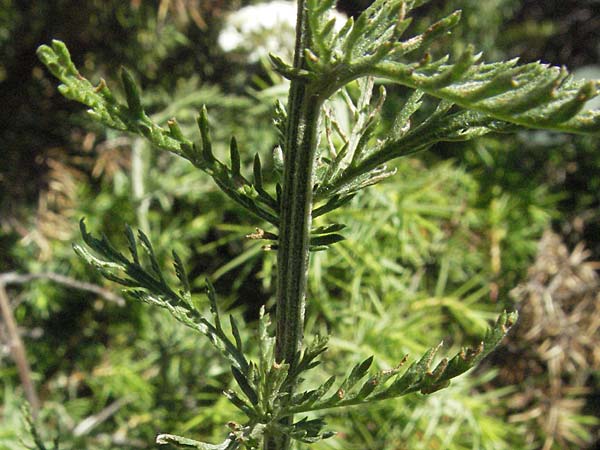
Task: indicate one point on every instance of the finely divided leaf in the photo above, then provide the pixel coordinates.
(130, 116)
(182, 442)
(420, 376)
(533, 95)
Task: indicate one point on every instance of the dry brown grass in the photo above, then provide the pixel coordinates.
(554, 348)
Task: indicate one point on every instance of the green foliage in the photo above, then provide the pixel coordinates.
(131, 117)
(474, 99)
(261, 383)
(150, 286)
(37, 439)
(401, 282)
(533, 95)
(419, 376)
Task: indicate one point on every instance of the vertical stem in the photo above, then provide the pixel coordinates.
(295, 214)
(294, 235)
(17, 349)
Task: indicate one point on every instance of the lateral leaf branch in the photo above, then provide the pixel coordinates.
(475, 97)
(144, 280)
(130, 117)
(421, 376)
(533, 95)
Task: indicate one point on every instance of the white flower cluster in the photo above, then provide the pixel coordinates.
(257, 30)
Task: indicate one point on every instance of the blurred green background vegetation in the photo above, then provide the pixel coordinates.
(460, 233)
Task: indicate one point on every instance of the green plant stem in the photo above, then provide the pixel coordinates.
(296, 206)
(295, 229)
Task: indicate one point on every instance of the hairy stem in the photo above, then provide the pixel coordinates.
(296, 206)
